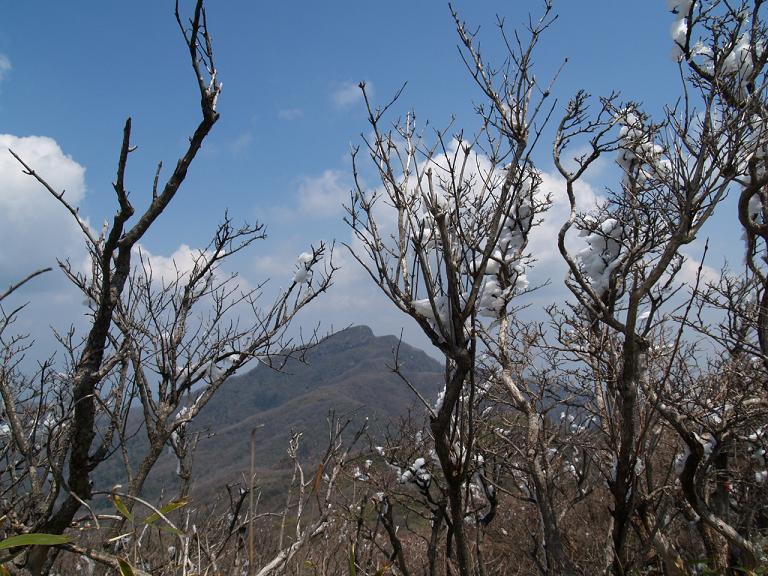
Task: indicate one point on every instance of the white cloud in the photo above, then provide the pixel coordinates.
(277, 263)
(5, 66)
(354, 297)
(316, 198)
(689, 273)
(354, 292)
(323, 195)
(352, 300)
(35, 229)
(290, 114)
(542, 244)
(348, 93)
(166, 269)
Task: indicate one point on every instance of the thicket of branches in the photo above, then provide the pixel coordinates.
(624, 434)
(162, 346)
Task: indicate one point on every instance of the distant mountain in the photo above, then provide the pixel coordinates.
(348, 372)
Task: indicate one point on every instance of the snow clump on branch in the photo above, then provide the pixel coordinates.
(679, 30)
(416, 472)
(640, 158)
(303, 274)
(600, 256)
(740, 65)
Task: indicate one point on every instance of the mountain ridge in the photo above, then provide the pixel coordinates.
(347, 373)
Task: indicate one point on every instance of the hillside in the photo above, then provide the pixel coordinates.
(347, 373)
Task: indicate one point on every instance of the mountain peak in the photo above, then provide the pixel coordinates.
(349, 337)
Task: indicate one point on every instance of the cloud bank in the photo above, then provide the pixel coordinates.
(35, 230)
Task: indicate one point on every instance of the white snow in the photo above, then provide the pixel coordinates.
(416, 472)
(359, 475)
(598, 258)
(679, 30)
(739, 63)
(303, 274)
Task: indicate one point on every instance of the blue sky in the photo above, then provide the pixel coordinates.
(289, 113)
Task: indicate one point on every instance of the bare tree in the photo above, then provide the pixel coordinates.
(643, 366)
(167, 343)
(445, 238)
(451, 252)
